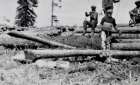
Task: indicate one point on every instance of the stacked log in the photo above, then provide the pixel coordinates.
(122, 29)
(127, 40)
(126, 36)
(125, 46)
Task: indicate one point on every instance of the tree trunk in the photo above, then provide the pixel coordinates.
(116, 35)
(38, 54)
(127, 40)
(122, 29)
(38, 39)
(125, 46)
(126, 36)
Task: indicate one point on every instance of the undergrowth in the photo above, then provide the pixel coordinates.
(80, 73)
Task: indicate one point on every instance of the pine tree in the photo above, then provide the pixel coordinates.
(25, 15)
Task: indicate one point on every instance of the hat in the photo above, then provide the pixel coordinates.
(138, 1)
(93, 6)
(109, 11)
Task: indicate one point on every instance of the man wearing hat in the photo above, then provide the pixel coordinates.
(135, 14)
(92, 22)
(107, 23)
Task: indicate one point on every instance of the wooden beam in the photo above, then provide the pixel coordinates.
(127, 40)
(125, 46)
(37, 54)
(126, 36)
(38, 39)
(116, 35)
(122, 29)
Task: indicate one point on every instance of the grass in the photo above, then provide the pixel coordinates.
(14, 73)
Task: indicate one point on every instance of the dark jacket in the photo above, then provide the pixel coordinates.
(93, 15)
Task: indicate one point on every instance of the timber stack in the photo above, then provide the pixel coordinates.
(126, 45)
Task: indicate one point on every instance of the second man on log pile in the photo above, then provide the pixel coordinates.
(93, 20)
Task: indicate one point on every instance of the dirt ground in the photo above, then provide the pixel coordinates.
(85, 70)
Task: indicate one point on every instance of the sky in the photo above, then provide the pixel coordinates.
(72, 11)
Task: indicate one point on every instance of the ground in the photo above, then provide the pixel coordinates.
(82, 71)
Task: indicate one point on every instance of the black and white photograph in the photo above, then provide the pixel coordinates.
(69, 42)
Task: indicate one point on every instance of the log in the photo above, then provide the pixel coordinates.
(126, 36)
(127, 40)
(125, 46)
(38, 39)
(122, 29)
(116, 35)
(38, 54)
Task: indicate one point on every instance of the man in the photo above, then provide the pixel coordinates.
(135, 14)
(93, 21)
(108, 4)
(107, 23)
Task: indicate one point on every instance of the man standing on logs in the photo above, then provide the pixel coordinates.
(108, 4)
(107, 23)
(93, 21)
(135, 14)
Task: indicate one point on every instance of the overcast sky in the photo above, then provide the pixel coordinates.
(72, 11)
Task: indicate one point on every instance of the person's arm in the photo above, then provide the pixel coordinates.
(101, 24)
(86, 14)
(132, 12)
(115, 26)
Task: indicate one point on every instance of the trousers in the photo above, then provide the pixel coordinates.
(106, 39)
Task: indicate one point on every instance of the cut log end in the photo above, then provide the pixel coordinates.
(29, 55)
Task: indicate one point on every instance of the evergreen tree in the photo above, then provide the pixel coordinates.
(25, 15)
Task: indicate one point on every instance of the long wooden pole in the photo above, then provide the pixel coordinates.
(122, 29)
(127, 40)
(38, 39)
(125, 46)
(126, 36)
(117, 36)
(37, 54)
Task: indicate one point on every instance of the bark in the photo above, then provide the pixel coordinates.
(116, 35)
(126, 36)
(38, 39)
(127, 40)
(122, 29)
(125, 46)
(38, 54)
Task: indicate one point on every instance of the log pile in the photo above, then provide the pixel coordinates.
(127, 45)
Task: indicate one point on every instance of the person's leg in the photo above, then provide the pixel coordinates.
(133, 19)
(104, 10)
(93, 26)
(108, 40)
(103, 38)
(85, 24)
(137, 19)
